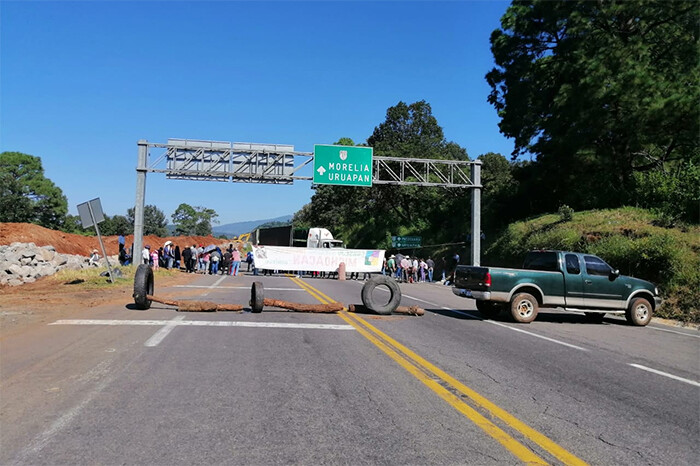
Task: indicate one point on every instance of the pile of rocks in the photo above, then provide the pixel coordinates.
(25, 262)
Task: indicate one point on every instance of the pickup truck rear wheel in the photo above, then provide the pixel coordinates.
(639, 312)
(488, 309)
(524, 308)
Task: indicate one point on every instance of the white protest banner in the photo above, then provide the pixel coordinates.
(317, 260)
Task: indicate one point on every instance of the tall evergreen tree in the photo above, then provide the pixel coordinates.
(597, 91)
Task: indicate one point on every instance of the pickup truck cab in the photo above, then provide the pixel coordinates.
(569, 280)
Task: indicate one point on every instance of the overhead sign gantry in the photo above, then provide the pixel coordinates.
(245, 162)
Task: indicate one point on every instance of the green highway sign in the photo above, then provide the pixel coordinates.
(342, 165)
(406, 241)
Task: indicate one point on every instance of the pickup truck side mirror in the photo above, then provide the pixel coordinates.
(614, 274)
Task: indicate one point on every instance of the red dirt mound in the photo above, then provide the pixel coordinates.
(68, 243)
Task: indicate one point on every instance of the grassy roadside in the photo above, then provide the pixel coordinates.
(630, 239)
(91, 279)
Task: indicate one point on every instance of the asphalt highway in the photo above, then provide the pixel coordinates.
(116, 385)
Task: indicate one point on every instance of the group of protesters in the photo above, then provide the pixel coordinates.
(167, 256)
(415, 269)
(196, 259)
(410, 269)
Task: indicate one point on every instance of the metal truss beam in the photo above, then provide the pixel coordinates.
(422, 172)
(255, 166)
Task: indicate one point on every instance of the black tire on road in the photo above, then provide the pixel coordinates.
(257, 297)
(524, 308)
(639, 312)
(394, 298)
(595, 317)
(143, 286)
(489, 309)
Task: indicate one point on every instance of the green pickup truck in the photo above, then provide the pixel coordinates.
(568, 280)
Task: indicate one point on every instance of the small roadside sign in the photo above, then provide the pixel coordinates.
(90, 215)
(406, 241)
(342, 165)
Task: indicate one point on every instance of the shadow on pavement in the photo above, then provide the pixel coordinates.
(542, 316)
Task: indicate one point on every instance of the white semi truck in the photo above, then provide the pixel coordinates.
(286, 236)
(322, 238)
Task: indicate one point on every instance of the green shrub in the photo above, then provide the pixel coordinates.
(566, 213)
(673, 195)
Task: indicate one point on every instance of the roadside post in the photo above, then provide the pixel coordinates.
(90, 215)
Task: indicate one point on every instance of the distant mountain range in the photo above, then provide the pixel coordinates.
(238, 228)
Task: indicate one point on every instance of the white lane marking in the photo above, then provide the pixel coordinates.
(201, 323)
(215, 284)
(420, 300)
(163, 332)
(98, 372)
(521, 331)
(111, 322)
(536, 335)
(236, 287)
(665, 374)
(673, 331)
(499, 324)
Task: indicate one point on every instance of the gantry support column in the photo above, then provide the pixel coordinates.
(476, 213)
(141, 169)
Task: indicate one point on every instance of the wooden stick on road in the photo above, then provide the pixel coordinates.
(197, 306)
(299, 307)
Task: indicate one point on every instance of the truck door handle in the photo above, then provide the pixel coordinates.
(588, 282)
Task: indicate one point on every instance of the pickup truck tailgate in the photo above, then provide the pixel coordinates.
(471, 278)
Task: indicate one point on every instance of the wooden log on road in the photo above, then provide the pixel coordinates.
(197, 306)
(300, 307)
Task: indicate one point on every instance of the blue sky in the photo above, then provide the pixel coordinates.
(82, 82)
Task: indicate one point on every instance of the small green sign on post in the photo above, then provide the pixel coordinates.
(406, 241)
(342, 165)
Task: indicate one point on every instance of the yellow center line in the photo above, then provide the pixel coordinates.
(421, 369)
(540, 439)
(312, 291)
(324, 299)
(516, 448)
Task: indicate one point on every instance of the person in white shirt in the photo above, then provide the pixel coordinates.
(94, 258)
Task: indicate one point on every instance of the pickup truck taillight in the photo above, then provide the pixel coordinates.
(487, 279)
